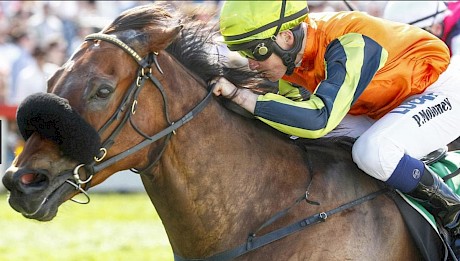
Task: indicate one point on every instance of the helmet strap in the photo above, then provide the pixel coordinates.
(288, 56)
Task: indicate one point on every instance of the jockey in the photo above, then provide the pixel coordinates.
(390, 75)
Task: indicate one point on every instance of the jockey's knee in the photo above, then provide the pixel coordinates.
(376, 155)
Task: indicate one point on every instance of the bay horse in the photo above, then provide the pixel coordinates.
(135, 96)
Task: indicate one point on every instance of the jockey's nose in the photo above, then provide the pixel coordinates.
(253, 64)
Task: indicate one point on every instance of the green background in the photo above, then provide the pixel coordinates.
(110, 227)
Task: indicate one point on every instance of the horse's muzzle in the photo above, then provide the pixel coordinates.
(34, 194)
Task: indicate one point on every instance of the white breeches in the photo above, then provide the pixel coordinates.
(420, 125)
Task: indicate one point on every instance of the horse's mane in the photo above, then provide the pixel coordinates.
(192, 47)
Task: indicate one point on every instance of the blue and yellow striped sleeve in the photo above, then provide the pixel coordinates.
(351, 62)
(295, 93)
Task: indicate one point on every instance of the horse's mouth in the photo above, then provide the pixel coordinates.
(42, 206)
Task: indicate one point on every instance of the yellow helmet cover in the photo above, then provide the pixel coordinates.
(245, 21)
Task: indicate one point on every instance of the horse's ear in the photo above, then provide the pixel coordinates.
(167, 36)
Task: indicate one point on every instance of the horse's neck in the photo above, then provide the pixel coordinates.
(222, 176)
(216, 175)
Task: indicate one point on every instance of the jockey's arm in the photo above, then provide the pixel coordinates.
(349, 69)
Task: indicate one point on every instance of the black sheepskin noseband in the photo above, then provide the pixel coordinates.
(53, 118)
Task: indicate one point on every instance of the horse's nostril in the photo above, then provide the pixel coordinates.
(29, 182)
(32, 179)
(27, 178)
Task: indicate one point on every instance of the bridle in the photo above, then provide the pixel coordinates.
(130, 101)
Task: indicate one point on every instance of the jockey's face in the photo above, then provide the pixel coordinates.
(273, 68)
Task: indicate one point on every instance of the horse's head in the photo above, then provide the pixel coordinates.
(87, 118)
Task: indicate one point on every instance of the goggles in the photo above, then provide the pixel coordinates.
(259, 50)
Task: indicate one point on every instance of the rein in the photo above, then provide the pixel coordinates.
(130, 101)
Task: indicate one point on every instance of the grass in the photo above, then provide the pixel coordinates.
(113, 227)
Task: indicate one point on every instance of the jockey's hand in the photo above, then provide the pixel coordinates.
(225, 88)
(243, 97)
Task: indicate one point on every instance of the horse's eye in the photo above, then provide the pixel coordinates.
(104, 92)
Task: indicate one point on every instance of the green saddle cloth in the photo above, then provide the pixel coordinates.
(443, 167)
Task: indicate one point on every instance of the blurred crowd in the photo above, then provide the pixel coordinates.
(36, 37)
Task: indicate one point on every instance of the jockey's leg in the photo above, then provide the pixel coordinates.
(438, 198)
(430, 191)
(391, 148)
